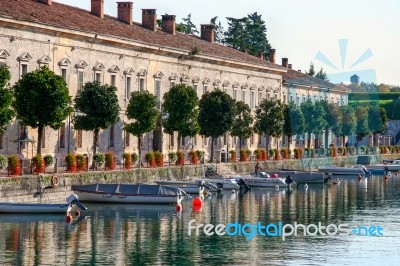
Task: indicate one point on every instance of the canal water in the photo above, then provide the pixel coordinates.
(158, 235)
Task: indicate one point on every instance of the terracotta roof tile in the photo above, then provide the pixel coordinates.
(69, 17)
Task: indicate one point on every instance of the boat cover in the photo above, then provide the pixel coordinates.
(129, 189)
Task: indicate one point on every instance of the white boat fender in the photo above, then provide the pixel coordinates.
(54, 181)
(305, 186)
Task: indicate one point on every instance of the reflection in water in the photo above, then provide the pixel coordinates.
(148, 234)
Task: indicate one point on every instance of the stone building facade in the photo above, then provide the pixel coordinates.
(82, 46)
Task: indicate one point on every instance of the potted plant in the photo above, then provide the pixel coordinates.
(271, 153)
(127, 160)
(258, 154)
(109, 159)
(48, 160)
(333, 152)
(70, 161)
(150, 159)
(98, 159)
(172, 157)
(243, 155)
(38, 163)
(3, 162)
(158, 156)
(233, 156)
(194, 158)
(14, 165)
(200, 155)
(180, 158)
(363, 149)
(264, 155)
(134, 158)
(277, 154)
(81, 162)
(322, 151)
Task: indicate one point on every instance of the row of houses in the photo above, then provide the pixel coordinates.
(88, 45)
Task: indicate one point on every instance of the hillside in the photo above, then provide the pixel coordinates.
(389, 100)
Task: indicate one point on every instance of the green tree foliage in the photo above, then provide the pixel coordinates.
(362, 128)
(294, 121)
(187, 26)
(377, 120)
(270, 119)
(6, 98)
(311, 70)
(42, 99)
(217, 112)
(98, 109)
(349, 122)
(333, 117)
(180, 103)
(315, 114)
(219, 32)
(322, 75)
(243, 124)
(248, 34)
(142, 109)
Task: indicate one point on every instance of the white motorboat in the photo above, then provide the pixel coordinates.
(129, 193)
(224, 183)
(343, 171)
(30, 208)
(264, 180)
(308, 177)
(190, 187)
(394, 166)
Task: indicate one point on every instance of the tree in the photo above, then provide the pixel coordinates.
(42, 99)
(311, 70)
(142, 109)
(6, 98)
(187, 26)
(294, 121)
(377, 120)
(269, 119)
(248, 34)
(217, 112)
(362, 128)
(333, 117)
(180, 103)
(243, 124)
(349, 122)
(322, 75)
(98, 109)
(315, 115)
(219, 32)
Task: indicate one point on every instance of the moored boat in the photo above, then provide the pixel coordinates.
(343, 171)
(309, 177)
(224, 183)
(394, 166)
(129, 193)
(264, 181)
(190, 187)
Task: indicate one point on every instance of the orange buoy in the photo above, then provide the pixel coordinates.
(68, 219)
(386, 177)
(197, 208)
(178, 208)
(359, 177)
(77, 213)
(197, 202)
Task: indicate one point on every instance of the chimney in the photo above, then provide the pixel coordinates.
(261, 55)
(168, 24)
(285, 61)
(207, 32)
(299, 70)
(98, 8)
(125, 12)
(290, 66)
(272, 56)
(47, 2)
(149, 19)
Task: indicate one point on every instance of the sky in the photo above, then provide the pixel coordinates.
(349, 36)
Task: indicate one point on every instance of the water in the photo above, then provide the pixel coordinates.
(157, 235)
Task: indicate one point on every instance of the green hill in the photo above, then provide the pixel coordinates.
(389, 100)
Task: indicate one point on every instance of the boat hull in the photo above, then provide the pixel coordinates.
(188, 187)
(264, 182)
(342, 171)
(303, 176)
(226, 184)
(121, 198)
(32, 208)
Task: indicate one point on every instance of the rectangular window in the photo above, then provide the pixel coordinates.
(252, 95)
(141, 84)
(225, 89)
(252, 139)
(276, 97)
(244, 96)
(225, 138)
(1, 141)
(259, 139)
(64, 74)
(97, 77)
(205, 89)
(235, 94)
(172, 140)
(127, 139)
(298, 100)
(44, 138)
(80, 80)
(291, 98)
(79, 138)
(62, 136)
(268, 97)
(113, 80)
(22, 130)
(128, 87)
(157, 89)
(284, 98)
(172, 83)
(304, 98)
(204, 140)
(259, 97)
(111, 137)
(183, 141)
(24, 69)
(195, 88)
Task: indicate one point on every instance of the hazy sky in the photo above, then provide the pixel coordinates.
(300, 29)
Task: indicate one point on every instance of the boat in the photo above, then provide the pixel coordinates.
(263, 180)
(343, 171)
(36, 208)
(309, 177)
(394, 166)
(129, 193)
(191, 187)
(224, 183)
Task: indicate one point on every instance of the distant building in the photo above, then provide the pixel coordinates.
(355, 79)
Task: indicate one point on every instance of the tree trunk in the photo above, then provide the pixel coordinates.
(212, 150)
(95, 141)
(40, 135)
(326, 137)
(140, 150)
(374, 139)
(343, 140)
(240, 144)
(289, 141)
(267, 144)
(316, 140)
(309, 140)
(179, 141)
